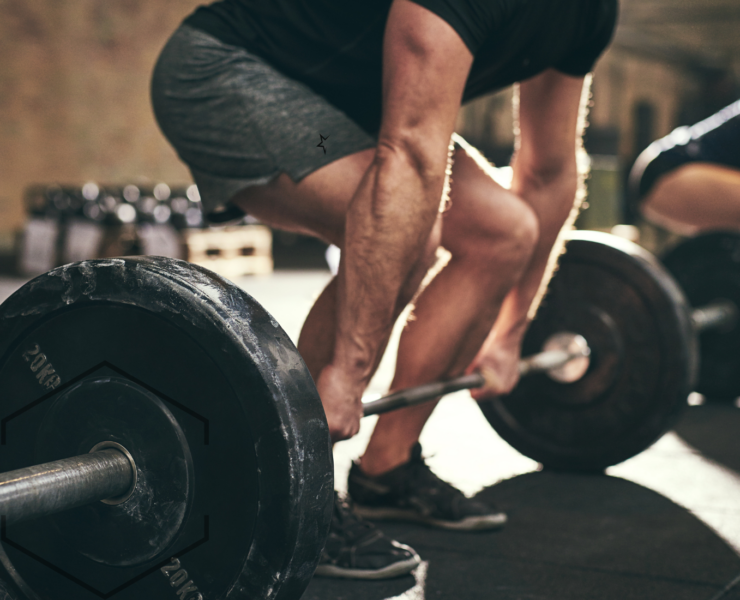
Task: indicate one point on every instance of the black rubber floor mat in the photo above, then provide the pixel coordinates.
(569, 537)
(714, 430)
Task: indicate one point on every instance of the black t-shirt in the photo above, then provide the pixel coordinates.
(714, 140)
(335, 46)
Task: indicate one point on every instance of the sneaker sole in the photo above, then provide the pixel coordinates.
(477, 523)
(394, 570)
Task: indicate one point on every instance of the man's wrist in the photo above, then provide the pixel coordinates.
(356, 369)
(512, 334)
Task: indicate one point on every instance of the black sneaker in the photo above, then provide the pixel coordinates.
(356, 549)
(411, 492)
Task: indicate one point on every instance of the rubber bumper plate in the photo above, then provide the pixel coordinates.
(643, 360)
(707, 268)
(208, 394)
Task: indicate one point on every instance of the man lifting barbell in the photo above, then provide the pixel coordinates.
(201, 460)
(244, 89)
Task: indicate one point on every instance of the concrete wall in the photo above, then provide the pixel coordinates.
(74, 94)
(621, 81)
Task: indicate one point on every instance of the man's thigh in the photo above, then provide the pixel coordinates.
(317, 205)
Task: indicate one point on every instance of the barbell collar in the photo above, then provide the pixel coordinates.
(542, 362)
(565, 357)
(56, 486)
(720, 315)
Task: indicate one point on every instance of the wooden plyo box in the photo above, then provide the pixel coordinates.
(231, 251)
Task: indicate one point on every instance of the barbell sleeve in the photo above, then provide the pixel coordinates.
(717, 315)
(56, 486)
(546, 361)
(543, 361)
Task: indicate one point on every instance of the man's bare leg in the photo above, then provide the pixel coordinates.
(316, 342)
(317, 206)
(694, 198)
(491, 234)
(508, 263)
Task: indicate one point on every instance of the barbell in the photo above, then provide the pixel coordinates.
(189, 413)
(108, 472)
(565, 359)
(707, 267)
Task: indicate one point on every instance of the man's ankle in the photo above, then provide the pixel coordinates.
(412, 492)
(375, 464)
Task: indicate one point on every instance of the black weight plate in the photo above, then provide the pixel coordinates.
(617, 296)
(108, 407)
(707, 268)
(196, 358)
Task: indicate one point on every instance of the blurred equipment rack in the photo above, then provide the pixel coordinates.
(69, 223)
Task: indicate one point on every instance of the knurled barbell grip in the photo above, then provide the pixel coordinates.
(422, 393)
(55, 486)
(543, 361)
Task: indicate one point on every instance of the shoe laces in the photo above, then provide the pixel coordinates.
(348, 522)
(420, 475)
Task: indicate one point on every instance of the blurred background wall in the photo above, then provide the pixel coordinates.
(74, 95)
(74, 103)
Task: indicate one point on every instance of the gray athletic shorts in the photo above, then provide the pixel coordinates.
(236, 121)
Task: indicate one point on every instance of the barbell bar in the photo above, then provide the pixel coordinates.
(569, 347)
(707, 267)
(562, 349)
(53, 487)
(103, 474)
(108, 472)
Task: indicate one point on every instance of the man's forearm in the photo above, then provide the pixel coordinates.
(388, 223)
(556, 208)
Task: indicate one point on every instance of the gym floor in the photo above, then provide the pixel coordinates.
(664, 524)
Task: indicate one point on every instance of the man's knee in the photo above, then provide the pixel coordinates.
(507, 234)
(525, 232)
